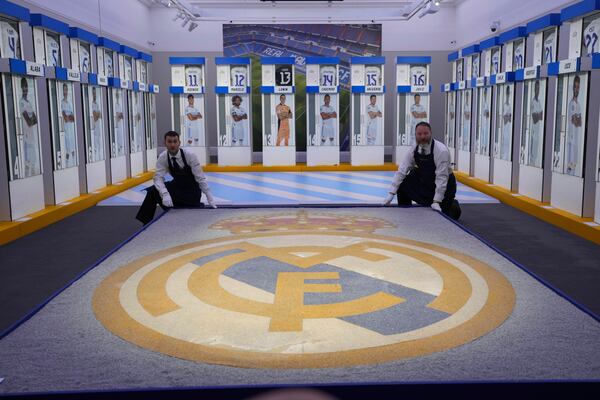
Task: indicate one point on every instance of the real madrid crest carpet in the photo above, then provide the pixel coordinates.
(277, 296)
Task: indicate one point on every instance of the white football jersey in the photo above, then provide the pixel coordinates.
(372, 108)
(10, 40)
(239, 76)
(519, 56)
(417, 108)
(84, 59)
(327, 76)
(536, 107)
(109, 64)
(193, 76)
(52, 51)
(418, 76)
(373, 76)
(128, 70)
(192, 110)
(143, 73)
(475, 67)
(495, 61)
(573, 110)
(328, 110)
(549, 46)
(238, 112)
(590, 37)
(66, 106)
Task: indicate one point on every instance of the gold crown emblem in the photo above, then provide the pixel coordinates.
(301, 221)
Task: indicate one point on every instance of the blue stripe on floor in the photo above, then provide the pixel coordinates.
(235, 195)
(300, 191)
(323, 183)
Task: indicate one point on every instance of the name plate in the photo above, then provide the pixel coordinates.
(419, 89)
(567, 66)
(142, 86)
(447, 87)
(462, 84)
(237, 89)
(124, 84)
(73, 75)
(155, 88)
(283, 89)
(327, 89)
(530, 73)
(373, 89)
(192, 89)
(34, 68)
(102, 80)
(480, 81)
(501, 77)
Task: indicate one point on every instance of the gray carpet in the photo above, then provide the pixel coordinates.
(64, 347)
(35, 266)
(564, 260)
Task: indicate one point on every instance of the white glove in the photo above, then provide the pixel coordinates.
(436, 206)
(167, 200)
(210, 200)
(388, 199)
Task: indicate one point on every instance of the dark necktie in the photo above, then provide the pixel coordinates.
(422, 151)
(175, 165)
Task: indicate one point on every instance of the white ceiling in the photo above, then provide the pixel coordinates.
(338, 11)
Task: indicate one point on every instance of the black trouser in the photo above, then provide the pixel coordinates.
(412, 189)
(180, 197)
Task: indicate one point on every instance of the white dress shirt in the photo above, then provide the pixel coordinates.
(441, 157)
(162, 168)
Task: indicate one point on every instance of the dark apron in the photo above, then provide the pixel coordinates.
(184, 189)
(419, 185)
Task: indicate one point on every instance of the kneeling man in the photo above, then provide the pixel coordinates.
(185, 190)
(425, 176)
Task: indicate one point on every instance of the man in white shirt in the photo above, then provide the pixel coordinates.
(119, 125)
(373, 112)
(98, 129)
(505, 150)
(537, 117)
(328, 120)
(30, 132)
(240, 118)
(485, 125)
(466, 123)
(418, 113)
(185, 190)
(574, 135)
(68, 116)
(192, 122)
(425, 176)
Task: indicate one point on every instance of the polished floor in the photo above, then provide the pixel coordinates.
(294, 188)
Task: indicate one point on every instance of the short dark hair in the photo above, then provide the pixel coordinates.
(236, 97)
(372, 96)
(423, 123)
(577, 79)
(24, 82)
(171, 134)
(281, 95)
(190, 95)
(417, 95)
(326, 96)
